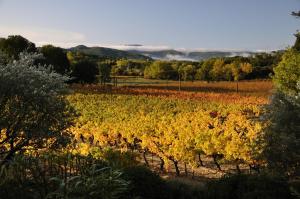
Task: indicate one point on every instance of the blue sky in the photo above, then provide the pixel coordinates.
(188, 24)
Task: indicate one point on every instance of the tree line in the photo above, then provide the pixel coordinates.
(83, 68)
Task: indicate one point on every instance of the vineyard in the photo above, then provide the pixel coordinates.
(180, 129)
(149, 100)
(252, 92)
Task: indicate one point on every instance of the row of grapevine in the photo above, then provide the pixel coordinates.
(256, 94)
(177, 131)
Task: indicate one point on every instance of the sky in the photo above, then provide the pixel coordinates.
(156, 24)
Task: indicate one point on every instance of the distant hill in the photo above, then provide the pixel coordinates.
(135, 51)
(191, 56)
(108, 53)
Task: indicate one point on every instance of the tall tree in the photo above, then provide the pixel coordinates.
(217, 71)
(297, 35)
(287, 73)
(84, 71)
(57, 58)
(104, 68)
(14, 45)
(160, 70)
(203, 73)
(121, 67)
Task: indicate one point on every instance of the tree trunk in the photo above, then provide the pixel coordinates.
(238, 169)
(176, 167)
(185, 170)
(162, 164)
(11, 153)
(193, 174)
(254, 167)
(200, 160)
(145, 158)
(216, 162)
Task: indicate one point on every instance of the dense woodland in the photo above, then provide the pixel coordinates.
(64, 137)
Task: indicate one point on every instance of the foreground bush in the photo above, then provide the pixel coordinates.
(59, 177)
(144, 184)
(115, 158)
(102, 183)
(249, 187)
(181, 190)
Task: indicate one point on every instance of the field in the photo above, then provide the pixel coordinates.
(204, 131)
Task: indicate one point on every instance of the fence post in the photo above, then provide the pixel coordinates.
(179, 88)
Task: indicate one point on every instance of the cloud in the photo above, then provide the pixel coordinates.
(179, 57)
(42, 36)
(243, 54)
(149, 48)
(137, 47)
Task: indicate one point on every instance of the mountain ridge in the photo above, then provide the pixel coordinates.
(137, 51)
(104, 52)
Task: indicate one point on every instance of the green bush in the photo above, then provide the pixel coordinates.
(287, 73)
(144, 184)
(115, 158)
(249, 187)
(12, 189)
(62, 176)
(181, 190)
(295, 187)
(98, 182)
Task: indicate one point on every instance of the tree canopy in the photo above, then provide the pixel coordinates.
(57, 58)
(283, 114)
(159, 70)
(14, 45)
(84, 71)
(287, 73)
(33, 112)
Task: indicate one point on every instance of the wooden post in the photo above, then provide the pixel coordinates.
(179, 82)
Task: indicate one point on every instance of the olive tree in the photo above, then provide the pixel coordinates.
(283, 115)
(33, 111)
